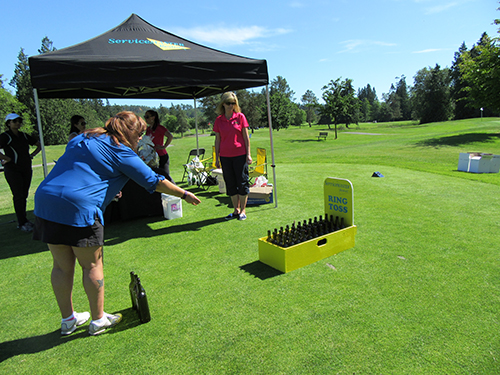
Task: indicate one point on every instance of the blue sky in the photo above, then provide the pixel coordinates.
(308, 42)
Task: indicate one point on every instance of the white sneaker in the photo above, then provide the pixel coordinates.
(69, 326)
(26, 228)
(111, 321)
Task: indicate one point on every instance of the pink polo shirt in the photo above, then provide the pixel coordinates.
(231, 134)
(158, 138)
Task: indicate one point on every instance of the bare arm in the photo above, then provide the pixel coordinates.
(246, 138)
(166, 187)
(4, 158)
(38, 149)
(217, 149)
(170, 137)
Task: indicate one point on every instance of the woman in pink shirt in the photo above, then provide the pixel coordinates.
(158, 133)
(232, 151)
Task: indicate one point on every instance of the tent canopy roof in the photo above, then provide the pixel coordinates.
(138, 60)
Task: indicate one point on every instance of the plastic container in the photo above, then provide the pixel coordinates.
(172, 206)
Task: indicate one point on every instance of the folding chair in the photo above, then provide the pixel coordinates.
(260, 169)
(204, 174)
(200, 152)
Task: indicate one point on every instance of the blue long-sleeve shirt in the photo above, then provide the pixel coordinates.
(87, 177)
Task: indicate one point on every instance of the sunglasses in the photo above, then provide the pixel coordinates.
(20, 120)
(83, 123)
(146, 117)
(231, 103)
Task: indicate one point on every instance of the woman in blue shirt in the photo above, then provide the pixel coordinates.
(69, 206)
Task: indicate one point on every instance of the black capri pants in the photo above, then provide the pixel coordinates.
(235, 172)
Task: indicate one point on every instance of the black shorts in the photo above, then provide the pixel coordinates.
(60, 234)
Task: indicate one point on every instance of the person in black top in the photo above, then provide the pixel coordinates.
(17, 165)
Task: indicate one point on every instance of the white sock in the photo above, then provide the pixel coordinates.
(71, 317)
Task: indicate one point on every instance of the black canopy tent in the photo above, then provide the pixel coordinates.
(138, 60)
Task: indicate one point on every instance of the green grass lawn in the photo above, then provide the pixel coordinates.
(418, 294)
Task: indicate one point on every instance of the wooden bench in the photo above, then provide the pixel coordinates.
(322, 135)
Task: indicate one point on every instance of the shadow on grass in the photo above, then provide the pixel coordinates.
(14, 242)
(139, 228)
(305, 140)
(36, 344)
(459, 140)
(260, 270)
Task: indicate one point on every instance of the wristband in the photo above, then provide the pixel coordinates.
(184, 195)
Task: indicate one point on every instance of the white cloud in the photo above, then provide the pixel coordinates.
(355, 45)
(297, 4)
(430, 50)
(228, 36)
(440, 8)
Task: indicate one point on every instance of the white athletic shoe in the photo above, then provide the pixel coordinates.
(26, 228)
(69, 326)
(112, 321)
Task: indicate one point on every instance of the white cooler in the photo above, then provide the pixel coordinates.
(172, 206)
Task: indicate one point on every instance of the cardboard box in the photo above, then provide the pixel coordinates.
(260, 195)
(338, 197)
(172, 206)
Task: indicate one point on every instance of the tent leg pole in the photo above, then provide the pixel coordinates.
(273, 165)
(196, 128)
(40, 132)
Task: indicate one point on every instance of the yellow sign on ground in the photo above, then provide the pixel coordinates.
(339, 199)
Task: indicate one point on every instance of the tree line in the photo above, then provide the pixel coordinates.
(469, 88)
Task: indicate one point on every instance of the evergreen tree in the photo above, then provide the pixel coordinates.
(250, 103)
(393, 102)
(21, 82)
(208, 105)
(404, 98)
(280, 97)
(367, 93)
(310, 105)
(431, 95)
(458, 84)
(365, 110)
(369, 103)
(480, 70)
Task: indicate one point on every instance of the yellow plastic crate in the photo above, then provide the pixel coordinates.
(286, 259)
(339, 201)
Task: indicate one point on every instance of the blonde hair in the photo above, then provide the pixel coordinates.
(124, 127)
(228, 97)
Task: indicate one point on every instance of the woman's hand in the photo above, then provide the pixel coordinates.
(249, 159)
(6, 160)
(191, 198)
